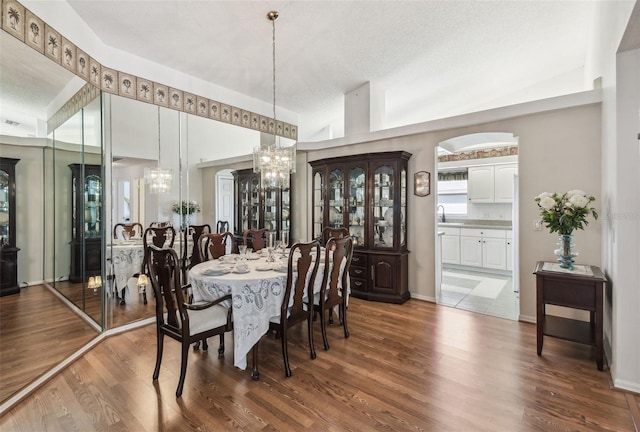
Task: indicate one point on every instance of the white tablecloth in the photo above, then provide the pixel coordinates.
(127, 258)
(256, 298)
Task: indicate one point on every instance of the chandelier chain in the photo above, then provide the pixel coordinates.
(273, 16)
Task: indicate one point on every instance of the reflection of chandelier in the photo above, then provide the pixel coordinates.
(274, 162)
(158, 180)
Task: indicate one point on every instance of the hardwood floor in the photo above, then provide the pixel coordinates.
(416, 366)
(29, 347)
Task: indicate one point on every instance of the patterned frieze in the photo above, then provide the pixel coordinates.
(21, 23)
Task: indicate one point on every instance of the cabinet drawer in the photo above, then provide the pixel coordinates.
(481, 232)
(358, 272)
(449, 231)
(359, 259)
(575, 295)
(358, 284)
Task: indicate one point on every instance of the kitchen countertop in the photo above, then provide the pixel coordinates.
(486, 224)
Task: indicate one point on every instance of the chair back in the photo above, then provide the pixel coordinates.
(213, 245)
(158, 237)
(299, 292)
(163, 224)
(122, 231)
(337, 232)
(255, 238)
(193, 233)
(337, 261)
(165, 276)
(222, 226)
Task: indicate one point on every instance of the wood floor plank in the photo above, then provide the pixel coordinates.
(417, 367)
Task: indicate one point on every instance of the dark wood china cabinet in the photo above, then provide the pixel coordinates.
(86, 221)
(367, 194)
(257, 208)
(8, 248)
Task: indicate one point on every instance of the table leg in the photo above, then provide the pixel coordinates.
(540, 310)
(255, 374)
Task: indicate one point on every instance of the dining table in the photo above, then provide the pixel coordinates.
(127, 257)
(256, 294)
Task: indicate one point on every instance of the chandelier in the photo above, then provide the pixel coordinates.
(158, 180)
(274, 162)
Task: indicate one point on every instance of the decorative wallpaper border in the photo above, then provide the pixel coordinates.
(81, 99)
(35, 33)
(480, 154)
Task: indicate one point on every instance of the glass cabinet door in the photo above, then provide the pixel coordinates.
(357, 194)
(318, 204)
(270, 206)
(336, 199)
(285, 224)
(92, 206)
(5, 234)
(254, 212)
(244, 193)
(382, 215)
(403, 207)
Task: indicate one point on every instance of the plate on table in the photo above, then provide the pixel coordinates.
(253, 256)
(237, 271)
(264, 267)
(281, 269)
(215, 272)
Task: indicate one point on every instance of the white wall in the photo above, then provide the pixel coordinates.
(559, 151)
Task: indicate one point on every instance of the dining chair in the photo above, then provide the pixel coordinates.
(222, 226)
(255, 238)
(162, 224)
(181, 321)
(124, 231)
(191, 258)
(297, 301)
(335, 283)
(328, 232)
(213, 245)
(160, 238)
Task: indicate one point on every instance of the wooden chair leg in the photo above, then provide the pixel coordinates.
(255, 373)
(205, 345)
(285, 354)
(160, 343)
(221, 346)
(323, 327)
(312, 347)
(343, 310)
(183, 369)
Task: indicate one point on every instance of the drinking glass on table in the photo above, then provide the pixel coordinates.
(242, 249)
(284, 242)
(271, 244)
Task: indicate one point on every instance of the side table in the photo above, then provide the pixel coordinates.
(579, 289)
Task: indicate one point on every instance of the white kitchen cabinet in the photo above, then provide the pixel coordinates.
(480, 184)
(503, 190)
(450, 245)
(491, 183)
(509, 250)
(483, 248)
(470, 250)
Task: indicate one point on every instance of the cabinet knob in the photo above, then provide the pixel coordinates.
(357, 271)
(355, 259)
(357, 283)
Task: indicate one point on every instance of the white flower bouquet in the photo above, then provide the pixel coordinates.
(566, 212)
(185, 207)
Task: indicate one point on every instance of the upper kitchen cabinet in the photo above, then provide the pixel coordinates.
(491, 183)
(368, 195)
(8, 249)
(258, 207)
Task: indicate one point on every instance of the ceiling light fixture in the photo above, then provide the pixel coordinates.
(157, 179)
(274, 162)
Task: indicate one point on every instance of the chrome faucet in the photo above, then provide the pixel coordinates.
(441, 218)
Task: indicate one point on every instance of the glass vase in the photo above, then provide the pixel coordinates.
(566, 252)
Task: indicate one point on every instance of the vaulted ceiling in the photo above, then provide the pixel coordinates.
(432, 58)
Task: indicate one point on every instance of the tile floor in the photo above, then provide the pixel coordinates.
(485, 293)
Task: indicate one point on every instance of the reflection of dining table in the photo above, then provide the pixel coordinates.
(127, 257)
(256, 295)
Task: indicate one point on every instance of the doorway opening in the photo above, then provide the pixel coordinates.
(476, 224)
